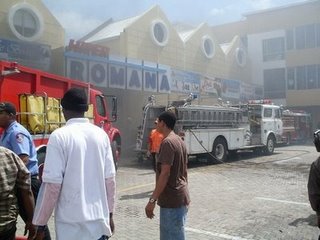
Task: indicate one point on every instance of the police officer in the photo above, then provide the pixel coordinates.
(17, 138)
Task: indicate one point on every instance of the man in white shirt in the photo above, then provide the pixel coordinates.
(78, 177)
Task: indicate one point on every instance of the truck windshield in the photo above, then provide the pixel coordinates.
(256, 111)
(267, 113)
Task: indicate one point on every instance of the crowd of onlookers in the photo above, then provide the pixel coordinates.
(77, 180)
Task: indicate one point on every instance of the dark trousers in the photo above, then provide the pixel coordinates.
(35, 187)
(103, 238)
(9, 234)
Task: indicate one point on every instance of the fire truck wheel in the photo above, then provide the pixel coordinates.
(220, 149)
(115, 153)
(270, 145)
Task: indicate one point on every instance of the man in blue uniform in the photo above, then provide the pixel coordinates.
(16, 138)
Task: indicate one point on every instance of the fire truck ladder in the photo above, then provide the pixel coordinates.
(217, 116)
(150, 113)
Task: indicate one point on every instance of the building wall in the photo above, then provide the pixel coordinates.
(115, 46)
(138, 42)
(303, 57)
(235, 68)
(195, 59)
(303, 98)
(53, 34)
(278, 22)
(255, 53)
(225, 32)
(283, 17)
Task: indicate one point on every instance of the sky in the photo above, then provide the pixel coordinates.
(79, 17)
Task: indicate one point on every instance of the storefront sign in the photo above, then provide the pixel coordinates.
(29, 54)
(211, 86)
(117, 73)
(88, 48)
(247, 91)
(231, 89)
(98, 73)
(186, 82)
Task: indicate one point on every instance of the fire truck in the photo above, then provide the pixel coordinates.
(37, 94)
(217, 130)
(296, 126)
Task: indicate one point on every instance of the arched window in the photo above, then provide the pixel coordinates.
(241, 57)
(159, 33)
(25, 22)
(208, 48)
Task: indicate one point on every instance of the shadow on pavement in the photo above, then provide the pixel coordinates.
(136, 196)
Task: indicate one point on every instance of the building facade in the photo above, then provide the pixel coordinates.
(147, 55)
(284, 44)
(31, 35)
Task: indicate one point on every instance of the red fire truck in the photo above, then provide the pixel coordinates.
(296, 126)
(36, 95)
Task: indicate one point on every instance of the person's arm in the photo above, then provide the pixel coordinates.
(52, 179)
(28, 203)
(24, 158)
(162, 180)
(149, 145)
(20, 144)
(47, 199)
(25, 195)
(111, 196)
(161, 183)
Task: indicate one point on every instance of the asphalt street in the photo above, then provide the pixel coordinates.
(247, 198)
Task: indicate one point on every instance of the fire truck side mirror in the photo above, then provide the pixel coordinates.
(114, 113)
(111, 102)
(316, 140)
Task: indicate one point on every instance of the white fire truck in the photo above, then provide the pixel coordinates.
(220, 129)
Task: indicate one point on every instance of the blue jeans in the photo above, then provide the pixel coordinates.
(172, 223)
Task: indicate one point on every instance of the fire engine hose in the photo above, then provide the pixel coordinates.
(211, 155)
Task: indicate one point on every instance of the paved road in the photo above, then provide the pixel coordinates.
(246, 198)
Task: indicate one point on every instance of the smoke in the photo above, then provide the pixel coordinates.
(80, 17)
(260, 4)
(75, 25)
(217, 12)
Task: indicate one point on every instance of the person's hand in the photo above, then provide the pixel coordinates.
(40, 235)
(148, 154)
(32, 229)
(149, 210)
(112, 224)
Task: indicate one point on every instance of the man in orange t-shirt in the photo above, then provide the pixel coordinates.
(155, 140)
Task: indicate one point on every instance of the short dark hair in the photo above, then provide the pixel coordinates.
(8, 107)
(169, 118)
(75, 99)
